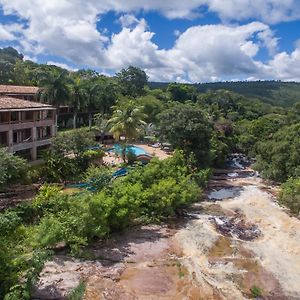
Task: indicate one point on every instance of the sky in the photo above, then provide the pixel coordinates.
(172, 40)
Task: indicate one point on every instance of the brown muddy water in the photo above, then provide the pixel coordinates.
(238, 244)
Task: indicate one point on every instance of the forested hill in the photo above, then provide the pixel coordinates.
(15, 70)
(273, 92)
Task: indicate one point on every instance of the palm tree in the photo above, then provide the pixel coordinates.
(101, 124)
(54, 90)
(92, 90)
(127, 120)
(78, 98)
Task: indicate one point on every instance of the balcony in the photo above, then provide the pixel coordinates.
(18, 120)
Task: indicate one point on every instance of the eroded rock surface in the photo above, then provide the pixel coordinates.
(213, 250)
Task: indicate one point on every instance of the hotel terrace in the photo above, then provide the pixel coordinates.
(25, 126)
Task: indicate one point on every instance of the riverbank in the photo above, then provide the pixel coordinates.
(194, 256)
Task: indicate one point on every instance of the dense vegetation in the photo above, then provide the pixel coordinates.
(273, 92)
(149, 193)
(203, 126)
(12, 168)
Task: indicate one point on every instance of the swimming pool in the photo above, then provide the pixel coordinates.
(136, 150)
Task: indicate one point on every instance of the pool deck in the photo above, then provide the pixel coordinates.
(115, 159)
(157, 152)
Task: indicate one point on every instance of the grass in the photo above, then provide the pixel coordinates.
(256, 292)
(180, 269)
(78, 292)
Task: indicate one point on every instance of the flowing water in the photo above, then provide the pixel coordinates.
(237, 244)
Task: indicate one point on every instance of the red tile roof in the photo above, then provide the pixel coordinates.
(7, 103)
(18, 89)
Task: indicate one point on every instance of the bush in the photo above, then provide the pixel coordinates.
(279, 157)
(78, 292)
(13, 168)
(201, 177)
(290, 195)
(149, 193)
(256, 292)
(75, 141)
(131, 157)
(50, 199)
(152, 192)
(69, 155)
(163, 186)
(17, 257)
(92, 155)
(98, 177)
(58, 167)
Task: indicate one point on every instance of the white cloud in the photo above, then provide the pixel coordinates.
(128, 20)
(177, 32)
(285, 66)
(269, 11)
(132, 46)
(205, 53)
(8, 32)
(59, 27)
(61, 65)
(68, 29)
(5, 35)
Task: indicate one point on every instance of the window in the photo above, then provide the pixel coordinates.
(14, 116)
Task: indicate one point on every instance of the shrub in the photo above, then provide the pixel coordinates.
(69, 155)
(78, 292)
(50, 200)
(58, 167)
(131, 157)
(256, 292)
(279, 157)
(201, 177)
(290, 195)
(75, 141)
(92, 155)
(98, 177)
(12, 168)
(125, 204)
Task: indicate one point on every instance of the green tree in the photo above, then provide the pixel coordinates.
(6, 72)
(132, 81)
(101, 124)
(186, 127)
(260, 129)
(55, 90)
(73, 141)
(152, 107)
(12, 168)
(78, 98)
(128, 120)
(279, 157)
(20, 76)
(182, 92)
(290, 195)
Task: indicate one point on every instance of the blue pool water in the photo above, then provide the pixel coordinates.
(136, 150)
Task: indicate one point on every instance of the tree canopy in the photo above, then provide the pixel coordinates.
(187, 127)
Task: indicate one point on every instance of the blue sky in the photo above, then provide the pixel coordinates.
(172, 40)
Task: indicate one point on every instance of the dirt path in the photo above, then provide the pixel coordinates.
(237, 245)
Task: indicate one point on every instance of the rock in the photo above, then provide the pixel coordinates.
(236, 227)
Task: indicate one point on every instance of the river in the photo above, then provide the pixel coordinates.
(237, 244)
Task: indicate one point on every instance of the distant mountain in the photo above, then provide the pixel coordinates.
(273, 92)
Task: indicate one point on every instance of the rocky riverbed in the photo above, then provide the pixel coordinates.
(238, 244)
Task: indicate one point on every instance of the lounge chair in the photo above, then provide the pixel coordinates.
(156, 145)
